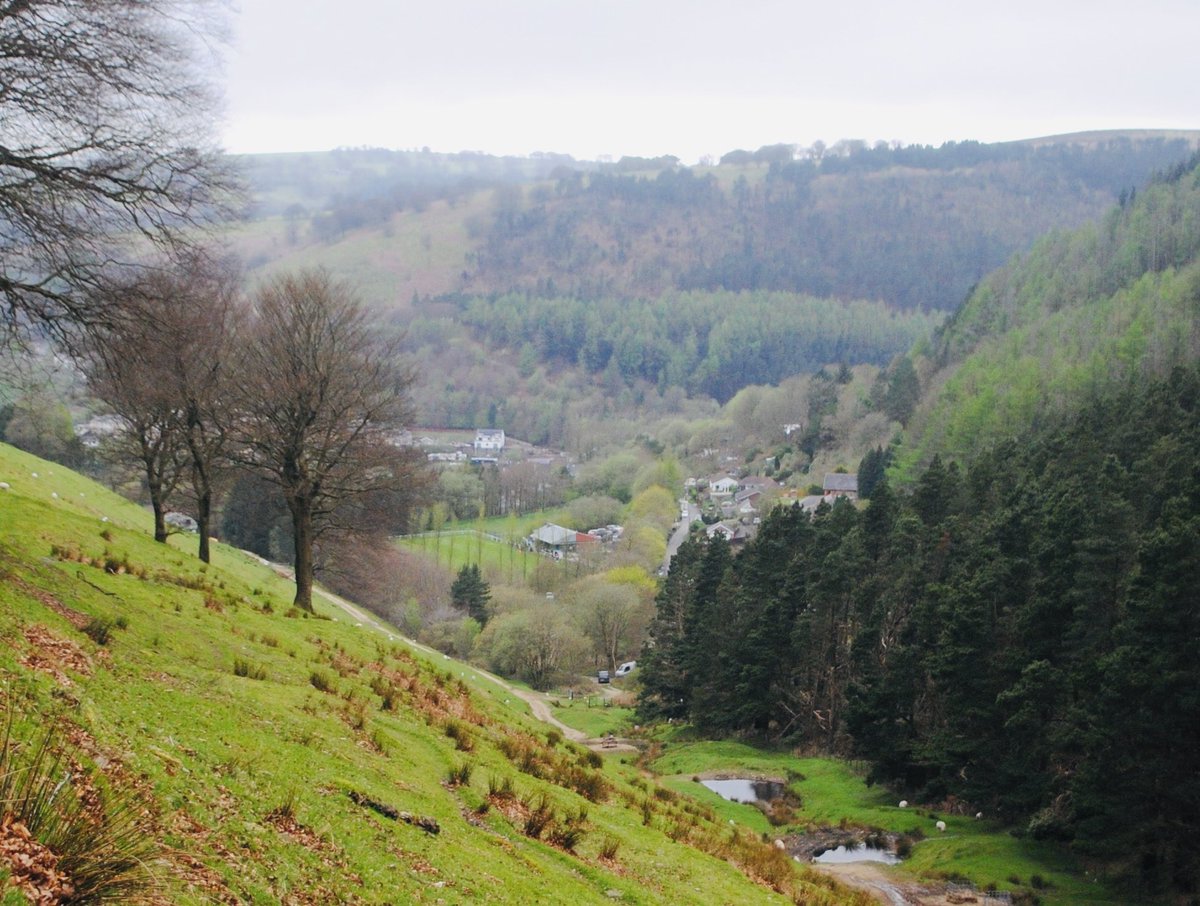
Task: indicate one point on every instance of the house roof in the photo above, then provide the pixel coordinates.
(553, 534)
(839, 481)
(761, 482)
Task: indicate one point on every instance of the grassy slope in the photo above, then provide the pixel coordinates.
(832, 792)
(214, 754)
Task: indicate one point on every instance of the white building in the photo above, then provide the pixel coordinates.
(489, 440)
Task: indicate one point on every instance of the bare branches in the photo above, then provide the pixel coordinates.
(104, 150)
(319, 395)
(162, 363)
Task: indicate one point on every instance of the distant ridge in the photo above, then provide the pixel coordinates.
(1096, 137)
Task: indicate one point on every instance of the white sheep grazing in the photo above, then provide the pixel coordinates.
(4, 485)
(903, 803)
(941, 825)
(978, 815)
(779, 844)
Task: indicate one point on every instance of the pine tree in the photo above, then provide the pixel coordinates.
(471, 592)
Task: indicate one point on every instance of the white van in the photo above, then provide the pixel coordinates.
(625, 668)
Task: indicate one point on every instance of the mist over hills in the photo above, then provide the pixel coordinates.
(912, 226)
(642, 275)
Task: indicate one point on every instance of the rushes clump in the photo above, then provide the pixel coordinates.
(101, 850)
(243, 667)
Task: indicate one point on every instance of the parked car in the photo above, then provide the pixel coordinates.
(602, 676)
(625, 668)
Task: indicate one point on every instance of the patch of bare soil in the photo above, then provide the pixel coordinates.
(287, 824)
(885, 887)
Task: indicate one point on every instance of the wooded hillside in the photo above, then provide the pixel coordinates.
(915, 226)
(1016, 636)
(1078, 315)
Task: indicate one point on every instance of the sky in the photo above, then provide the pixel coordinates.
(609, 78)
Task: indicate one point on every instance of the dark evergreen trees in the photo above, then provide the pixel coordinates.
(1019, 635)
(472, 593)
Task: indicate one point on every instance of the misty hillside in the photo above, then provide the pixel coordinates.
(914, 226)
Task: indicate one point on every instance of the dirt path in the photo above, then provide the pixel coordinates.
(886, 887)
(537, 703)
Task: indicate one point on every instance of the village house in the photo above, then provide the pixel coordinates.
(840, 484)
(558, 540)
(489, 441)
(722, 486)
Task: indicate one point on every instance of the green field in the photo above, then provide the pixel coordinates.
(833, 792)
(593, 716)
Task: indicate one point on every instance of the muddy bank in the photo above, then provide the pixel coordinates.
(812, 843)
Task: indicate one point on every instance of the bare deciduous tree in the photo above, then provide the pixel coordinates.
(318, 397)
(123, 369)
(104, 147)
(164, 368)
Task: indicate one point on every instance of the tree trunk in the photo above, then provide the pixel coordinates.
(204, 497)
(203, 519)
(302, 532)
(159, 507)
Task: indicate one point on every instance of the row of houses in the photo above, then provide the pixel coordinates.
(738, 501)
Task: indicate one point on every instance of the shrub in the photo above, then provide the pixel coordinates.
(566, 836)
(242, 667)
(99, 630)
(500, 788)
(105, 853)
(459, 775)
(540, 817)
(457, 731)
(320, 681)
(609, 848)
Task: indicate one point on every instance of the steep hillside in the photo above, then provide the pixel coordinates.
(236, 751)
(915, 227)
(1078, 316)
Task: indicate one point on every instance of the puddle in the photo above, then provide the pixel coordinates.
(745, 790)
(857, 853)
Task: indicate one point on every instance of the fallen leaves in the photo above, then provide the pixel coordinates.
(54, 655)
(33, 867)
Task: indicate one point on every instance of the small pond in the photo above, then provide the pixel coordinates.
(857, 853)
(740, 789)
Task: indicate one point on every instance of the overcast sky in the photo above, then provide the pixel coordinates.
(650, 77)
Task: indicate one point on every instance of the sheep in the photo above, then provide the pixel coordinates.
(941, 825)
(903, 803)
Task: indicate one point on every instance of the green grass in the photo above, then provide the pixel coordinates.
(459, 547)
(834, 791)
(590, 715)
(223, 762)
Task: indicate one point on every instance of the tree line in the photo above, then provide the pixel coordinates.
(706, 343)
(914, 226)
(1016, 636)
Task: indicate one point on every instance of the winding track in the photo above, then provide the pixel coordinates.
(537, 704)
